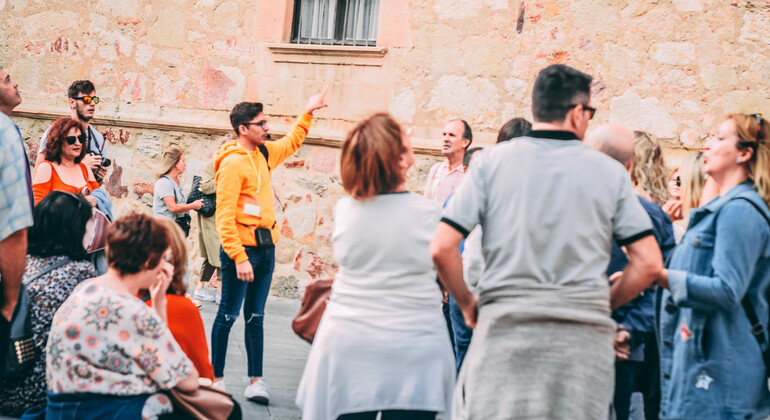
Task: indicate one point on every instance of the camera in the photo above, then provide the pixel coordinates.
(105, 161)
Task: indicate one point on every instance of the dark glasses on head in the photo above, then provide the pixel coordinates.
(72, 139)
(88, 99)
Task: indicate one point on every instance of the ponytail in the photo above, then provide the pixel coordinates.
(754, 131)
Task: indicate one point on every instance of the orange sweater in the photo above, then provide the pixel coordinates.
(56, 184)
(237, 187)
(186, 326)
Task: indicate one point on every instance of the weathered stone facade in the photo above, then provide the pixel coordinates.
(168, 71)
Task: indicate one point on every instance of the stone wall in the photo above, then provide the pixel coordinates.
(168, 71)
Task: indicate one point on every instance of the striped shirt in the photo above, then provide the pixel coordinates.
(15, 185)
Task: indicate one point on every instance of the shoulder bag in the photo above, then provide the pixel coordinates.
(314, 302)
(22, 349)
(209, 200)
(206, 403)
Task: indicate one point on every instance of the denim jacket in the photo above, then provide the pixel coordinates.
(711, 365)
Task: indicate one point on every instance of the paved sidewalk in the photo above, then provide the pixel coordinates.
(284, 360)
(285, 356)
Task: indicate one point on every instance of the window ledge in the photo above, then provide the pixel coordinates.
(328, 54)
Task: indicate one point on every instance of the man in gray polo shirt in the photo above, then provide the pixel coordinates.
(549, 207)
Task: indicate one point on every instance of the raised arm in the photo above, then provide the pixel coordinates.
(281, 149)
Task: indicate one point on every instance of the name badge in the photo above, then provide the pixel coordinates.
(252, 210)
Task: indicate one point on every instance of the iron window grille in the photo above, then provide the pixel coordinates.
(335, 22)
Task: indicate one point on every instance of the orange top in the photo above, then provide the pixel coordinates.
(186, 326)
(56, 184)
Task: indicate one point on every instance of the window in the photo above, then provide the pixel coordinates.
(335, 22)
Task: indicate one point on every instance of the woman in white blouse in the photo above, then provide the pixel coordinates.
(383, 344)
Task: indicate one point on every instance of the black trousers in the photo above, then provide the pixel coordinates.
(390, 415)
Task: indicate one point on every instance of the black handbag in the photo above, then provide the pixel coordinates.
(209, 200)
(184, 223)
(22, 349)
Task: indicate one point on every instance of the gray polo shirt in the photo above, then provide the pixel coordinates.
(167, 187)
(549, 207)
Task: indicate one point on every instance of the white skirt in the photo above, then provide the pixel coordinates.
(361, 361)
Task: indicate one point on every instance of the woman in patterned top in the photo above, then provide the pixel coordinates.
(110, 356)
(55, 240)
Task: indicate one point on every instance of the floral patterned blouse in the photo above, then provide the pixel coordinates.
(103, 341)
(46, 294)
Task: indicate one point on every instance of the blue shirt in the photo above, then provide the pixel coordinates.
(711, 365)
(16, 199)
(638, 315)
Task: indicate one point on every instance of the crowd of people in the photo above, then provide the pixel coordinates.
(550, 275)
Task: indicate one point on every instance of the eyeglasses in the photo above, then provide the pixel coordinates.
(585, 108)
(262, 123)
(72, 139)
(88, 99)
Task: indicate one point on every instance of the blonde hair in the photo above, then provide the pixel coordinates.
(178, 247)
(754, 131)
(170, 159)
(649, 171)
(693, 179)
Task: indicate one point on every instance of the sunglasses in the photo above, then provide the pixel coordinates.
(591, 110)
(758, 119)
(678, 181)
(72, 139)
(88, 99)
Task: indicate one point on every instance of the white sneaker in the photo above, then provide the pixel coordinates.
(219, 298)
(258, 392)
(220, 385)
(203, 296)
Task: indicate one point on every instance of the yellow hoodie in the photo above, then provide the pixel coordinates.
(237, 188)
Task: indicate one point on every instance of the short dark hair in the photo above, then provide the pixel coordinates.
(56, 138)
(136, 242)
(80, 86)
(516, 127)
(556, 89)
(467, 133)
(243, 113)
(469, 155)
(60, 223)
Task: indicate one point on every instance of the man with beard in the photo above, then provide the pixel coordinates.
(82, 101)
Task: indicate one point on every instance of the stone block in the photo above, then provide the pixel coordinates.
(674, 52)
(643, 114)
(169, 29)
(302, 220)
(474, 100)
(718, 77)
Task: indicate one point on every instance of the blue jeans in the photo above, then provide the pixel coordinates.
(93, 406)
(462, 333)
(234, 293)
